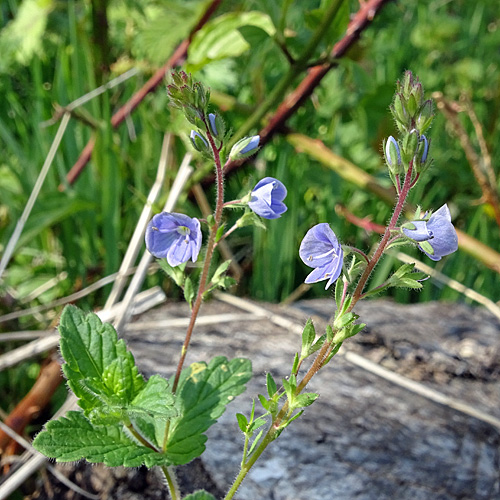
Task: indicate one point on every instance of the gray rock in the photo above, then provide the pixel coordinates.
(365, 438)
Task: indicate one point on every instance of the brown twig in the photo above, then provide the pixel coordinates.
(177, 58)
(36, 399)
(294, 100)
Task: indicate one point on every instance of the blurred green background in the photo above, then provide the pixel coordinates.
(53, 52)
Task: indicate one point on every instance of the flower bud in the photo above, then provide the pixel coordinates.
(410, 145)
(399, 109)
(245, 147)
(424, 148)
(424, 116)
(213, 125)
(392, 153)
(199, 142)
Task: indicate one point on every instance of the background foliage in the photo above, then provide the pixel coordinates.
(54, 52)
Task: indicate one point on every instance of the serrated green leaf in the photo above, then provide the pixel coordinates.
(202, 395)
(98, 366)
(199, 495)
(73, 437)
(155, 399)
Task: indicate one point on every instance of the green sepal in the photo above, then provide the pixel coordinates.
(199, 495)
(271, 385)
(250, 218)
(305, 399)
(344, 320)
(242, 422)
(220, 279)
(290, 386)
(334, 351)
(99, 368)
(339, 292)
(426, 247)
(73, 437)
(317, 345)
(175, 273)
(264, 402)
(201, 398)
(308, 336)
(346, 332)
(219, 233)
(189, 291)
(295, 365)
(255, 442)
(329, 333)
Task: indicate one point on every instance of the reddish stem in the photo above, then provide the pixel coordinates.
(385, 238)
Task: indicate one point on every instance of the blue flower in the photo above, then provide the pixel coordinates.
(437, 236)
(321, 250)
(175, 237)
(267, 197)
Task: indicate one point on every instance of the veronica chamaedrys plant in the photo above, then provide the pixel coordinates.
(267, 198)
(128, 421)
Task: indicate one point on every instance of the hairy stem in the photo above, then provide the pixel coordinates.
(401, 200)
(208, 258)
(173, 486)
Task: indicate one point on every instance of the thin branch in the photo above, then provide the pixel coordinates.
(295, 99)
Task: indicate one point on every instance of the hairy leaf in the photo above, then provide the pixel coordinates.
(202, 395)
(99, 368)
(73, 437)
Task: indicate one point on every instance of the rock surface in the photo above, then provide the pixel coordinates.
(365, 437)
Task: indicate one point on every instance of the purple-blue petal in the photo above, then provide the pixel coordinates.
(267, 198)
(445, 240)
(321, 250)
(166, 238)
(420, 233)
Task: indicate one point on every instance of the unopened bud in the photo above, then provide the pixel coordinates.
(425, 116)
(213, 125)
(425, 148)
(199, 142)
(392, 154)
(245, 147)
(410, 145)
